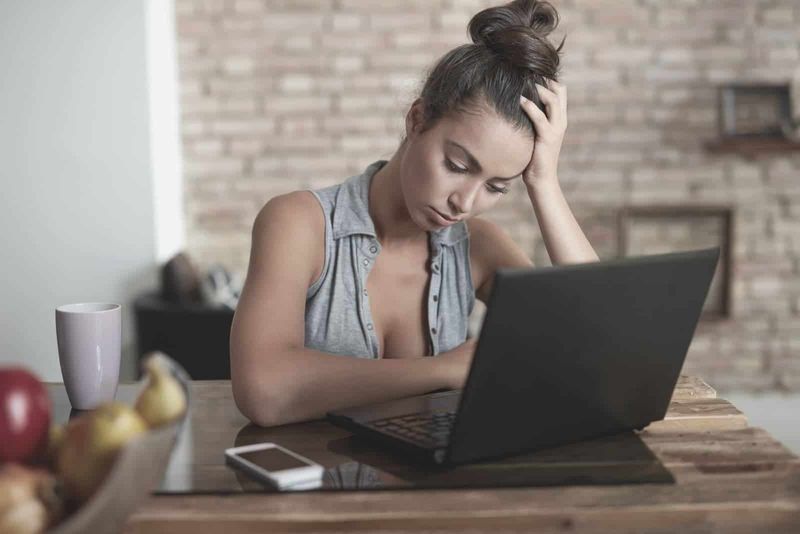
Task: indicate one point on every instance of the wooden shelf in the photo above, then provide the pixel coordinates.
(751, 146)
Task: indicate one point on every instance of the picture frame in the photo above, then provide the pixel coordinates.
(655, 229)
(755, 110)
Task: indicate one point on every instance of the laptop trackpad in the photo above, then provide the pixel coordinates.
(446, 401)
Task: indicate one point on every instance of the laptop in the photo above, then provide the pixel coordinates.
(565, 353)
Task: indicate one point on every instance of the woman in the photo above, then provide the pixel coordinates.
(350, 286)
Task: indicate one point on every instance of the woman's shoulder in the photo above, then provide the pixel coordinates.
(489, 238)
(292, 222)
(294, 209)
(491, 247)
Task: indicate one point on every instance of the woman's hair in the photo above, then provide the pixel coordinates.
(510, 53)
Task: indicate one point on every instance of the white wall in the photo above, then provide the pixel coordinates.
(165, 140)
(774, 412)
(76, 173)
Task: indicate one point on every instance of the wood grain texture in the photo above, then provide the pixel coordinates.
(692, 387)
(760, 501)
(728, 477)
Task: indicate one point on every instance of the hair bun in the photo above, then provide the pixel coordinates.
(517, 31)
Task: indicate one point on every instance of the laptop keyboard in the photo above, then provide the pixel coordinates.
(429, 429)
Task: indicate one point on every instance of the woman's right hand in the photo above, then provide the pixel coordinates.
(456, 363)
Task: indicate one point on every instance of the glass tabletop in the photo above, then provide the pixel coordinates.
(198, 466)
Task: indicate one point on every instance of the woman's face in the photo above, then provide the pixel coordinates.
(438, 174)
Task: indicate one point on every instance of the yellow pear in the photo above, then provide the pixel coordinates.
(163, 399)
(54, 440)
(90, 445)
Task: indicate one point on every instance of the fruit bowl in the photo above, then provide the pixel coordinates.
(137, 470)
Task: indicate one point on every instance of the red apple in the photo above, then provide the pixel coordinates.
(24, 416)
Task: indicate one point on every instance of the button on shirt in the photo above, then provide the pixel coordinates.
(338, 319)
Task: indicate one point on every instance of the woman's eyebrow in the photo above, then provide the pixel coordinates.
(474, 162)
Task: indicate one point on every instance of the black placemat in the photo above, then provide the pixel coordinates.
(611, 460)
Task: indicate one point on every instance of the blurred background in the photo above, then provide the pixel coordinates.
(136, 130)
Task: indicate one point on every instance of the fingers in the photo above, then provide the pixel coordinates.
(561, 91)
(554, 99)
(554, 102)
(535, 113)
(548, 98)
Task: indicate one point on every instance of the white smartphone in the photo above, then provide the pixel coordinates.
(276, 465)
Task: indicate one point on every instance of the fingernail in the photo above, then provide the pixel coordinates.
(522, 99)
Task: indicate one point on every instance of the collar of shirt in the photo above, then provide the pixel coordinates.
(352, 211)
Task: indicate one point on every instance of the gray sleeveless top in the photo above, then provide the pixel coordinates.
(338, 318)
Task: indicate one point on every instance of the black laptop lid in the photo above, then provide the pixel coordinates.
(593, 348)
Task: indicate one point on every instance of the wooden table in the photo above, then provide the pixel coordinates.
(728, 477)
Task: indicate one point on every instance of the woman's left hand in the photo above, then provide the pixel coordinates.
(550, 129)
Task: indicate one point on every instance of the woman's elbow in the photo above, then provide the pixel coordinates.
(258, 403)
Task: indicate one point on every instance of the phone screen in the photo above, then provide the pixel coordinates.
(272, 459)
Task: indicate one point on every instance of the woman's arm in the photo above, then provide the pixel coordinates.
(563, 237)
(298, 384)
(275, 379)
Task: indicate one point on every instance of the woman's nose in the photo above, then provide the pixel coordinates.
(461, 200)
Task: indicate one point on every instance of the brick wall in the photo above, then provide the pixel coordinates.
(279, 95)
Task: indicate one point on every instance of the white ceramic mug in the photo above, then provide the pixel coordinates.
(89, 339)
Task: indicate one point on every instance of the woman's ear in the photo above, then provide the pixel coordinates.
(414, 118)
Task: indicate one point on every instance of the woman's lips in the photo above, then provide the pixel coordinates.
(443, 219)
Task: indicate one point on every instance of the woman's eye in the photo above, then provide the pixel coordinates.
(491, 188)
(499, 190)
(453, 167)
